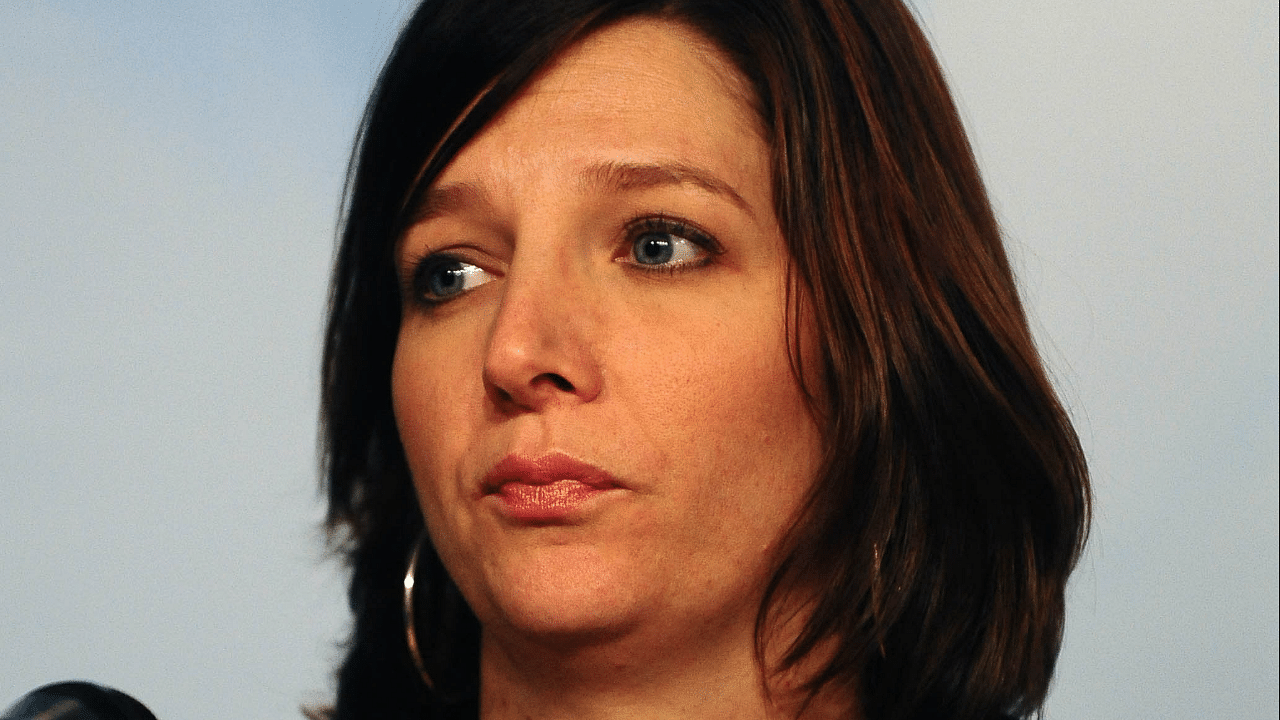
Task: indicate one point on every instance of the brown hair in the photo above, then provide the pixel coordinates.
(953, 501)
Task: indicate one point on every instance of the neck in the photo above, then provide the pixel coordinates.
(627, 678)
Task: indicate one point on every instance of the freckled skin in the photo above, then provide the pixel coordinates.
(677, 383)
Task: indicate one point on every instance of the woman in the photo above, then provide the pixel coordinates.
(675, 369)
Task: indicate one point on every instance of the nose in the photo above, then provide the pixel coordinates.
(540, 350)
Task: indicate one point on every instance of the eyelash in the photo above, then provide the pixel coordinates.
(646, 224)
(415, 285)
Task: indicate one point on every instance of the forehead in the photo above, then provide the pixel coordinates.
(641, 87)
(633, 54)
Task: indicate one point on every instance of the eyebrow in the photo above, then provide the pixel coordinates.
(446, 199)
(453, 197)
(642, 176)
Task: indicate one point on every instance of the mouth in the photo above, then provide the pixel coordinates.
(550, 489)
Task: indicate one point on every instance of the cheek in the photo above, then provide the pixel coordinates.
(434, 413)
(724, 415)
(432, 405)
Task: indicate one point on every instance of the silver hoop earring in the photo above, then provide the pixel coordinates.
(409, 631)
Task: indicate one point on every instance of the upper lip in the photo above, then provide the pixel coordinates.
(544, 470)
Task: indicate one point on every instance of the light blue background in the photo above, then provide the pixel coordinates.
(170, 174)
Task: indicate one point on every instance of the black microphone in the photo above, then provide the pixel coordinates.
(77, 701)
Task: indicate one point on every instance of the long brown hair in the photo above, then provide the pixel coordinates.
(953, 500)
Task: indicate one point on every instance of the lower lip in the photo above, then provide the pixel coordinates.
(557, 501)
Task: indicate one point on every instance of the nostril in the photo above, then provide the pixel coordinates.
(560, 382)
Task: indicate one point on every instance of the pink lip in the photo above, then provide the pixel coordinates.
(548, 489)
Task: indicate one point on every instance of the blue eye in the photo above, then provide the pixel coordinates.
(660, 243)
(653, 249)
(443, 277)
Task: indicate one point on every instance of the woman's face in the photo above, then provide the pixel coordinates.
(592, 381)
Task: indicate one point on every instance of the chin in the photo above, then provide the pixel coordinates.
(565, 594)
